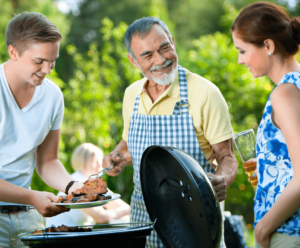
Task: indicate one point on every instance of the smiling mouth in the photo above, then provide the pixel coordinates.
(163, 67)
(40, 76)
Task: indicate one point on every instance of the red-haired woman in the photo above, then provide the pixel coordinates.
(267, 40)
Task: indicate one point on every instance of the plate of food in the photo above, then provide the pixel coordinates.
(90, 204)
(94, 193)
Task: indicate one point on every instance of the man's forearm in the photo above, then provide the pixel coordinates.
(14, 194)
(227, 167)
(227, 163)
(54, 174)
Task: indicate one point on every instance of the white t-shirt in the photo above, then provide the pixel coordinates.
(23, 130)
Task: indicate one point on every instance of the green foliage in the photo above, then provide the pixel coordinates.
(193, 18)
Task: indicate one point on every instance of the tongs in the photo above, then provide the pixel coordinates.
(105, 170)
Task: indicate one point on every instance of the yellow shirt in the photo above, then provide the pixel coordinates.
(206, 105)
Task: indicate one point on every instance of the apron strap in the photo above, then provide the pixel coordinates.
(182, 106)
(136, 103)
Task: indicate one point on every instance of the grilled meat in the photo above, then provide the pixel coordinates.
(63, 228)
(92, 190)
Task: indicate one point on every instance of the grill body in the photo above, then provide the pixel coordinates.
(117, 235)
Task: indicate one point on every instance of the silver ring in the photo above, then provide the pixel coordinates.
(254, 174)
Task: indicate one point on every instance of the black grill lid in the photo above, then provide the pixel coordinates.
(180, 197)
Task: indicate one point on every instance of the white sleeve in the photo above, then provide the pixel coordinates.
(56, 124)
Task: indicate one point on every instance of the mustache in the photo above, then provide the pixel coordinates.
(158, 67)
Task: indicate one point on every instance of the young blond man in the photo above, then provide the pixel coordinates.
(31, 114)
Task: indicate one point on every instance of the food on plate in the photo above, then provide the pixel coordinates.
(92, 190)
(63, 228)
(97, 185)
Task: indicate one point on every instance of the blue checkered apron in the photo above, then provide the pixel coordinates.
(175, 130)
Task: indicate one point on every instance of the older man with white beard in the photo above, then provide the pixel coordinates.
(172, 99)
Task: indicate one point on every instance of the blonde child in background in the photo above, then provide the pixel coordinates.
(86, 160)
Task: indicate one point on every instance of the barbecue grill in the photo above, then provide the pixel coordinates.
(131, 235)
(180, 200)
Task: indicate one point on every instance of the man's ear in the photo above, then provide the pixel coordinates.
(13, 53)
(133, 61)
(270, 45)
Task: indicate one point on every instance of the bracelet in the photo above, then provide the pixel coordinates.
(69, 186)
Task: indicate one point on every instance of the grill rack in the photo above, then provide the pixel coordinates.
(96, 229)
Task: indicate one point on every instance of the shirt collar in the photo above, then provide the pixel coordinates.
(173, 91)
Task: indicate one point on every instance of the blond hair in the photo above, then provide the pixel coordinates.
(84, 155)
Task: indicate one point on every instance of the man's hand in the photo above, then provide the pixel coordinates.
(226, 169)
(43, 202)
(118, 166)
(219, 184)
(120, 161)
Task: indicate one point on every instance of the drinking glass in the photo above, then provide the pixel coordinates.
(245, 145)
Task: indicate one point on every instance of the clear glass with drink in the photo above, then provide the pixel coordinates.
(245, 145)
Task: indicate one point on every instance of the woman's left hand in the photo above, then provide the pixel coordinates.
(261, 238)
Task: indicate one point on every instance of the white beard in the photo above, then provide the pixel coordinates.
(166, 78)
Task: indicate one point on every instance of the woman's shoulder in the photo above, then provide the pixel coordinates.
(291, 77)
(287, 86)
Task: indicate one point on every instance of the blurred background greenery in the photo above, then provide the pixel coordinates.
(93, 71)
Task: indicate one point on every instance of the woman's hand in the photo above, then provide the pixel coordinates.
(253, 178)
(262, 238)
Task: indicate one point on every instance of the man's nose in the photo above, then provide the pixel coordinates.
(159, 58)
(47, 67)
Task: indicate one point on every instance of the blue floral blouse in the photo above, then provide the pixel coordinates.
(274, 167)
